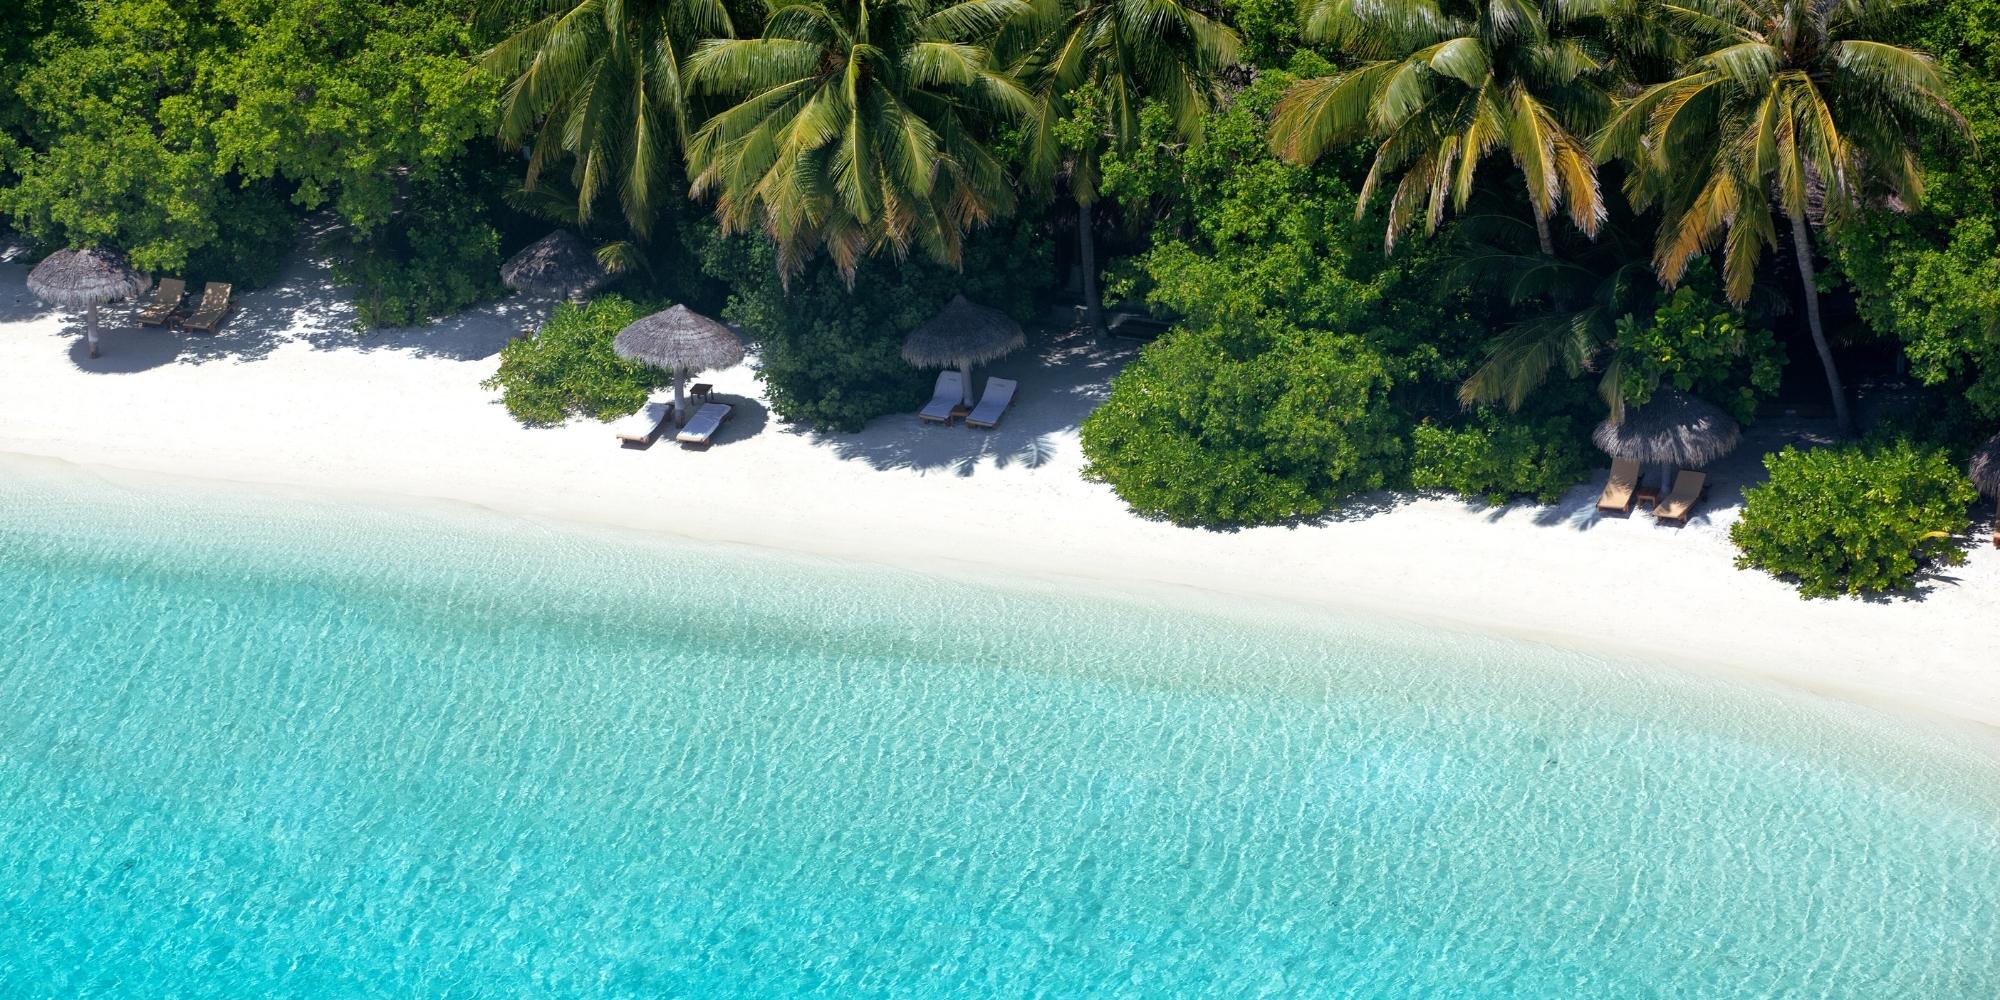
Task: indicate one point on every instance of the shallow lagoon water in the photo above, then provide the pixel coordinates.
(273, 746)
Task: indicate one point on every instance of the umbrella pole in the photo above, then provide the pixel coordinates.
(965, 375)
(90, 328)
(680, 396)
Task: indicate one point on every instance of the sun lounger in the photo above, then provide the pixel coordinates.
(1620, 487)
(214, 306)
(1675, 507)
(642, 427)
(702, 426)
(999, 393)
(166, 301)
(949, 393)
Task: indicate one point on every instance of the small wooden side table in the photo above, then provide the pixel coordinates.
(959, 412)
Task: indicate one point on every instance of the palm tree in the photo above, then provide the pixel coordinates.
(1126, 54)
(1786, 110)
(600, 81)
(1444, 83)
(859, 125)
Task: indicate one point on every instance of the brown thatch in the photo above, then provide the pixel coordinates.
(679, 339)
(1985, 467)
(556, 264)
(962, 333)
(82, 278)
(1673, 429)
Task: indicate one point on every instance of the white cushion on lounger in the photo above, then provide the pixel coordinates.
(703, 425)
(949, 393)
(641, 425)
(999, 392)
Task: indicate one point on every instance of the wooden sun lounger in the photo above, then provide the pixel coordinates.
(701, 428)
(999, 394)
(166, 301)
(949, 392)
(1675, 507)
(1619, 489)
(642, 427)
(214, 306)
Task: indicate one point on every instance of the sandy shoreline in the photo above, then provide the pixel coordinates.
(289, 395)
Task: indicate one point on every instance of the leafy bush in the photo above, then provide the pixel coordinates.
(437, 256)
(1697, 345)
(1208, 428)
(830, 356)
(1856, 519)
(568, 367)
(1499, 457)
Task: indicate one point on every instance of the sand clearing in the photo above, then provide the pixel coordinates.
(289, 394)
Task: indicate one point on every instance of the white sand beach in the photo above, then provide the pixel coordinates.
(288, 393)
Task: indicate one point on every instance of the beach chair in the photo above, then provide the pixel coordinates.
(642, 427)
(1620, 487)
(1675, 507)
(214, 306)
(949, 393)
(999, 393)
(701, 428)
(166, 302)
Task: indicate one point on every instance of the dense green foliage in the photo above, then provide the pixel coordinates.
(1586, 201)
(192, 135)
(1856, 519)
(1500, 456)
(568, 368)
(830, 354)
(1207, 427)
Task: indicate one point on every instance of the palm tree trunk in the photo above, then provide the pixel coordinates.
(1802, 245)
(1542, 234)
(1086, 239)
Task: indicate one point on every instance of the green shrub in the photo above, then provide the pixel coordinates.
(1499, 457)
(1699, 345)
(568, 367)
(831, 356)
(1856, 519)
(439, 254)
(1207, 428)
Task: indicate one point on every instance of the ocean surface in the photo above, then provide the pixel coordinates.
(271, 745)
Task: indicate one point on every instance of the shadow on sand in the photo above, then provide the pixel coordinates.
(1063, 375)
(304, 305)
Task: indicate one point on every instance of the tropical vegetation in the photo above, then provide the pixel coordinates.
(1423, 244)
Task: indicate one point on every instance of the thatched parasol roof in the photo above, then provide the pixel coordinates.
(962, 332)
(89, 276)
(1985, 467)
(556, 264)
(679, 338)
(1673, 429)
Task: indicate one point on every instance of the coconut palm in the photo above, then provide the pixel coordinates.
(1788, 111)
(1441, 85)
(1126, 54)
(858, 125)
(601, 82)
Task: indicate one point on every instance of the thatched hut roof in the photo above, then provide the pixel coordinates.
(1672, 429)
(84, 277)
(1985, 467)
(556, 264)
(962, 332)
(679, 338)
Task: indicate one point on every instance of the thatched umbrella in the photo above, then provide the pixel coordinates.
(556, 264)
(1985, 467)
(85, 279)
(962, 334)
(682, 341)
(1672, 431)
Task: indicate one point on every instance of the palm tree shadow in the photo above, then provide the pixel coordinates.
(1063, 375)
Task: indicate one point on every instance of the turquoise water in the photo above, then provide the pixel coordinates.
(270, 746)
